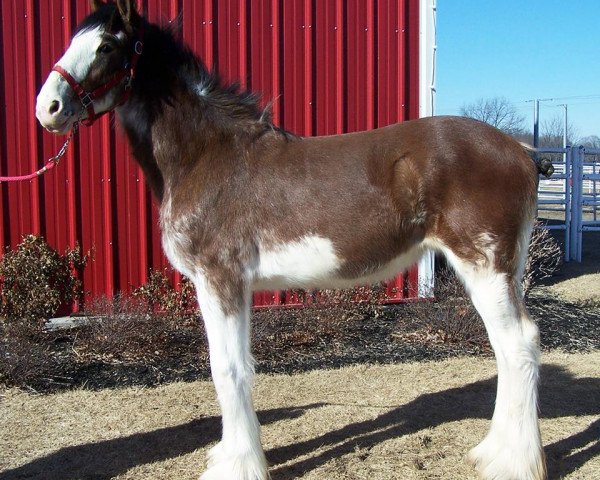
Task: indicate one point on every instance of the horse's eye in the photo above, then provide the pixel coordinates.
(105, 48)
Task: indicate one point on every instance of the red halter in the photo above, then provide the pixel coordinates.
(87, 98)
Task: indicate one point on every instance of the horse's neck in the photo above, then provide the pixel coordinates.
(170, 140)
(136, 124)
(163, 122)
(178, 116)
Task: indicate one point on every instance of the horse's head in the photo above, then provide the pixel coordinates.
(94, 74)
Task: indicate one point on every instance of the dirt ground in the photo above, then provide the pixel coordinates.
(409, 421)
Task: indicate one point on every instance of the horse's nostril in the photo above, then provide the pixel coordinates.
(54, 107)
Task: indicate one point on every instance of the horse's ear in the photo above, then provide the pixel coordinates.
(96, 4)
(127, 9)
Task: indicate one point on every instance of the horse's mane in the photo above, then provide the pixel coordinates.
(172, 62)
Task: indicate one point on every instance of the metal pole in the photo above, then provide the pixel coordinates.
(576, 204)
(565, 139)
(536, 123)
(579, 205)
(595, 193)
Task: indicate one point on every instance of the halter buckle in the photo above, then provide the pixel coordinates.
(86, 100)
(137, 48)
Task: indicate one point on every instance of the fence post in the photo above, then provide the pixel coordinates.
(576, 203)
(580, 202)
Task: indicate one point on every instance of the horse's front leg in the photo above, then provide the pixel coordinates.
(225, 307)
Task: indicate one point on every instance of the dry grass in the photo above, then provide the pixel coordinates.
(578, 282)
(582, 289)
(409, 421)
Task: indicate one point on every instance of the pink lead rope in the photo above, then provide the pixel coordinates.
(52, 162)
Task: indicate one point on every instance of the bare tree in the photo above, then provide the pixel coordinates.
(591, 141)
(552, 132)
(497, 111)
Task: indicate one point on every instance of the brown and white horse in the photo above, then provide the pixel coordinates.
(246, 206)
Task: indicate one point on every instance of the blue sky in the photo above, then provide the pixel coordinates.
(521, 50)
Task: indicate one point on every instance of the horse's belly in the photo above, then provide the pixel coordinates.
(312, 262)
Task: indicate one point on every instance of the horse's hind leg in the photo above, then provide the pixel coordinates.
(512, 450)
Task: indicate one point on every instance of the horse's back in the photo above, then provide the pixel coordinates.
(437, 164)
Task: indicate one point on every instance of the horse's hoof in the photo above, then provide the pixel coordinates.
(495, 460)
(215, 455)
(241, 467)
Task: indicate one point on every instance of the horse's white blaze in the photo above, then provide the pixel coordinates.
(77, 60)
(81, 53)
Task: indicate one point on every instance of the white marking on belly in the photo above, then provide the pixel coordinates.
(302, 262)
(312, 262)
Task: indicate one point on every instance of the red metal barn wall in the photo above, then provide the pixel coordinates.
(328, 66)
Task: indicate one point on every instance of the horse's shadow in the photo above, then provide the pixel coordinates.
(560, 395)
(109, 458)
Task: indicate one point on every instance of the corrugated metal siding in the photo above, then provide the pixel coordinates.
(328, 66)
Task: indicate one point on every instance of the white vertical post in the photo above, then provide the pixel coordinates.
(568, 201)
(427, 54)
(427, 51)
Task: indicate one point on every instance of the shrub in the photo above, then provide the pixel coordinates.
(450, 320)
(26, 356)
(161, 297)
(544, 258)
(155, 323)
(124, 329)
(36, 280)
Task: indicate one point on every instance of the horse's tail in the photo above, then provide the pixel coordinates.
(543, 164)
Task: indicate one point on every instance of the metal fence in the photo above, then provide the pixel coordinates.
(590, 191)
(570, 199)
